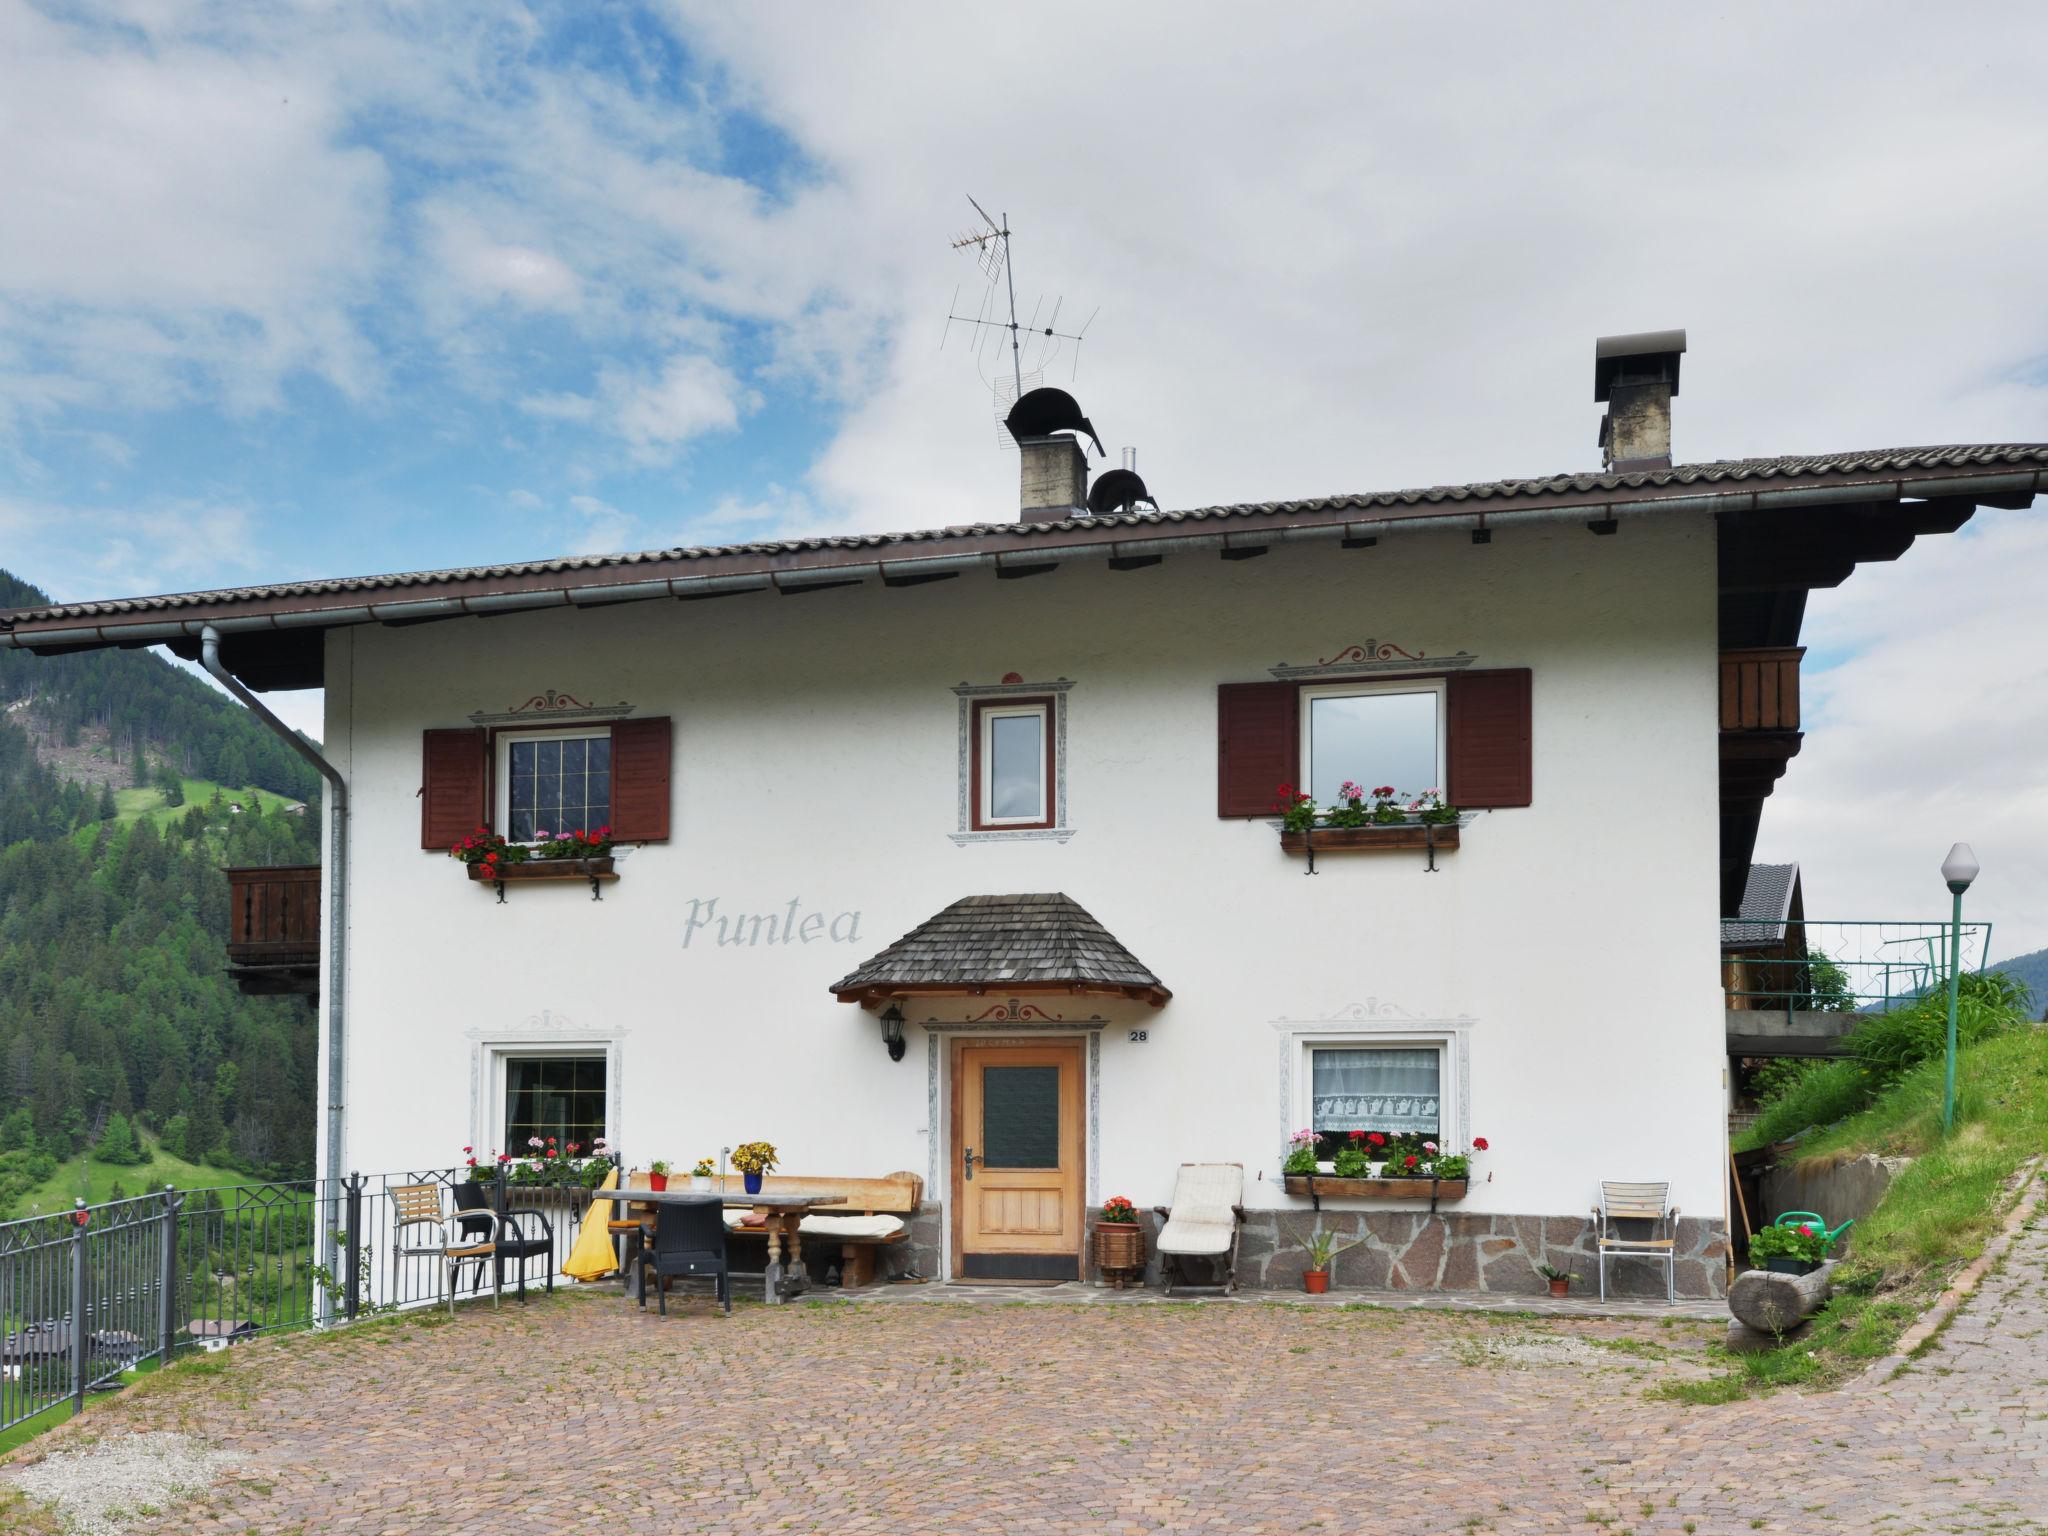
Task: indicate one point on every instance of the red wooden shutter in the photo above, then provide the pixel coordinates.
(451, 786)
(1489, 739)
(640, 779)
(1258, 745)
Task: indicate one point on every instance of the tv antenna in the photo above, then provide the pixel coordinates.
(991, 245)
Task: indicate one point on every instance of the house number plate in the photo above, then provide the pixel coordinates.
(1138, 1037)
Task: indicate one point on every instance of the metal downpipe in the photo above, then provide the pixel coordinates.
(333, 993)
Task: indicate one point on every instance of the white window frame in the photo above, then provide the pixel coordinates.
(501, 787)
(990, 712)
(1453, 1037)
(1437, 686)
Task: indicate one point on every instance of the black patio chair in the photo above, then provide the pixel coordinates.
(517, 1235)
(689, 1239)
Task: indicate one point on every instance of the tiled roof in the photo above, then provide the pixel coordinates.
(1003, 941)
(1377, 505)
(1766, 905)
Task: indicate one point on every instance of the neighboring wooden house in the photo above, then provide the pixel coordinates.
(956, 851)
(1763, 947)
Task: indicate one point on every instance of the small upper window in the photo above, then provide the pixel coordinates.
(1014, 775)
(555, 781)
(1372, 735)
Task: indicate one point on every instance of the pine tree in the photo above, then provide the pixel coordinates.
(107, 808)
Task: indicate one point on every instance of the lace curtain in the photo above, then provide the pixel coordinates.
(1388, 1088)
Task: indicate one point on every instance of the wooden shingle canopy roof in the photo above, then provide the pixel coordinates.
(1013, 945)
(1788, 524)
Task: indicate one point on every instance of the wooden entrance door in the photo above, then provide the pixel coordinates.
(1017, 1172)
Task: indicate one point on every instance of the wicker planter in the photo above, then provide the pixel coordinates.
(533, 870)
(1321, 1184)
(1119, 1251)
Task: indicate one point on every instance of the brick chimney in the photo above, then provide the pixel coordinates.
(1638, 377)
(1053, 478)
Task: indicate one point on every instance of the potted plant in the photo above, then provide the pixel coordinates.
(755, 1160)
(1119, 1240)
(1560, 1279)
(700, 1176)
(1301, 1153)
(480, 1172)
(1796, 1250)
(657, 1174)
(1322, 1247)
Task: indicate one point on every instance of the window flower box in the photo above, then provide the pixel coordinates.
(1410, 834)
(501, 875)
(1321, 1184)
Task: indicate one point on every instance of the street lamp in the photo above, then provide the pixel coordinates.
(1958, 869)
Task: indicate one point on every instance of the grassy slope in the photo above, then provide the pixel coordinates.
(133, 804)
(98, 1180)
(1935, 1217)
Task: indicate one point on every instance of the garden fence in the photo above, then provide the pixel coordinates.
(96, 1291)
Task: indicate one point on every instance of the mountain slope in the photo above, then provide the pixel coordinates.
(2032, 971)
(119, 1029)
(93, 715)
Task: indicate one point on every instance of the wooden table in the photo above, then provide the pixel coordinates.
(784, 1208)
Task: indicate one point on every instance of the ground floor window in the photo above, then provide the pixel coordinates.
(562, 1096)
(1394, 1089)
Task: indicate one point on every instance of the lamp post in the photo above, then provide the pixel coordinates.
(1958, 869)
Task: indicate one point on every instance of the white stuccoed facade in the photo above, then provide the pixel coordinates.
(1567, 952)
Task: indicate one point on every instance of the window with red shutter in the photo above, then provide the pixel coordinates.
(1258, 745)
(451, 786)
(1490, 754)
(640, 779)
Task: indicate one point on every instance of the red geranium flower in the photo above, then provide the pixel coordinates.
(1376, 1138)
(1478, 1143)
(1805, 1230)
(1412, 1161)
(1358, 1135)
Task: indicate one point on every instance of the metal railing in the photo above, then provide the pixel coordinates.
(1855, 966)
(89, 1294)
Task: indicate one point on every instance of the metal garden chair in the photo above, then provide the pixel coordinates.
(1651, 1231)
(455, 1243)
(689, 1239)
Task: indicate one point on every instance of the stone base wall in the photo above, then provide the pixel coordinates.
(1407, 1251)
(1451, 1251)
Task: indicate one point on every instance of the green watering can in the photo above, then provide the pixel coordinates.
(1815, 1220)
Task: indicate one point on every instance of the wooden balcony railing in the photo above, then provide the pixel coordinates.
(274, 915)
(1760, 689)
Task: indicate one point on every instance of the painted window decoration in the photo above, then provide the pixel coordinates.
(557, 784)
(1014, 779)
(1395, 1089)
(1371, 735)
(554, 1095)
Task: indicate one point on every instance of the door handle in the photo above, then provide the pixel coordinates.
(967, 1159)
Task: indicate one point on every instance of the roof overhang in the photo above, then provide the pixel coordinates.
(878, 996)
(1790, 525)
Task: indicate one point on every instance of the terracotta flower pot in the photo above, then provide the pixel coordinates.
(1315, 1281)
(657, 1181)
(1560, 1287)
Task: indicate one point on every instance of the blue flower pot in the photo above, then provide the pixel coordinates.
(752, 1181)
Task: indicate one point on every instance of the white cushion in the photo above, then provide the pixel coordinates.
(1202, 1219)
(850, 1226)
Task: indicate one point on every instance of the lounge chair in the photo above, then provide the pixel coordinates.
(1651, 1231)
(1203, 1222)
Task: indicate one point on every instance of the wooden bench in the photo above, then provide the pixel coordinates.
(878, 1211)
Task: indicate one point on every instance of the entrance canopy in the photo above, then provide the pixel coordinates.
(1013, 945)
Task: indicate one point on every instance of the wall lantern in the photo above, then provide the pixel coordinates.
(892, 1031)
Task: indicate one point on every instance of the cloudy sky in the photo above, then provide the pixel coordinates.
(298, 290)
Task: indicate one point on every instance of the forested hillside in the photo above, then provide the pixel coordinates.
(119, 1029)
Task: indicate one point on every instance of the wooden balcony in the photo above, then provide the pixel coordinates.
(274, 929)
(1759, 735)
(1760, 689)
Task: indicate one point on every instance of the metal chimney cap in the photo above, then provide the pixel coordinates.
(1611, 352)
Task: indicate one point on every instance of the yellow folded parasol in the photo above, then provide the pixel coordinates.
(593, 1256)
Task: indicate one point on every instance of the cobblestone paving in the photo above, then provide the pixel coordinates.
(581, 1414)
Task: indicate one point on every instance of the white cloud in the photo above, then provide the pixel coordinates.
(691, 396)
(489, 270)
